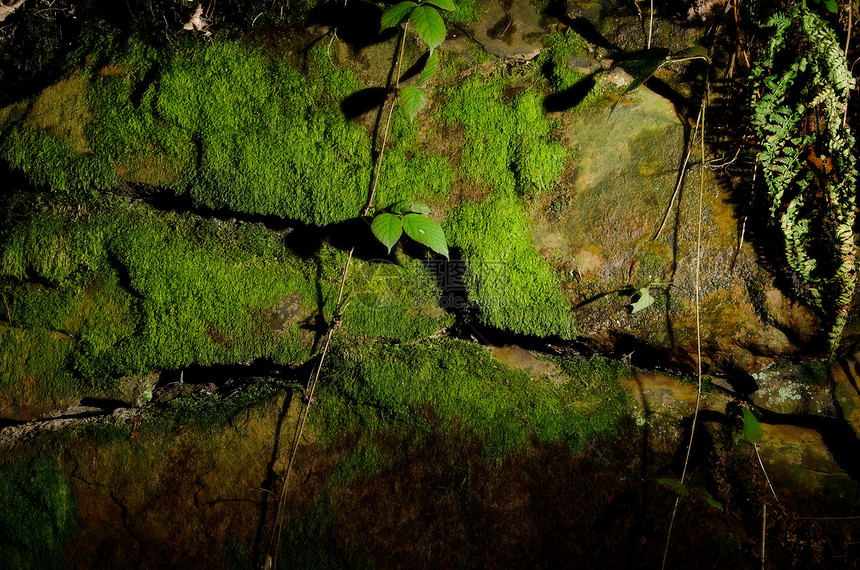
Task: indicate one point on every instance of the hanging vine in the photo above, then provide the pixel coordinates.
(800, 91)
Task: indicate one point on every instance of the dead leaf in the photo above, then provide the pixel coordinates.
(198, 22)
(6, 8)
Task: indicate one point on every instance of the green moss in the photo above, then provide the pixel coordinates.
(83, 128)
(817, 374)
(209, 411)
(467, 389)
(52, 164)
(507, 146)
(35, 365)
(394, 301)
(559, 47)
(226, 124)
(115, 289)
(360, 461)
(192, 292)
(465, 11)
(408, 173)
(125, 130)
(38, 519)
(512, 284)
(307, 542)
(267, 142)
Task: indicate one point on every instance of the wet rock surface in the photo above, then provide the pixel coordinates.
(510, 29)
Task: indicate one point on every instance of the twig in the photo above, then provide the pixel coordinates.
(650, 24)
(763, 533)
(763, 470)
(740, 36)
(680, 181)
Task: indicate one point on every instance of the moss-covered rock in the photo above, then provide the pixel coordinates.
(513, 286)
(463, 385)
(231, 125)
(507, 145)
(100, 291)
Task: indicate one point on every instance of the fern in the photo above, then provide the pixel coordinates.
(800, 92)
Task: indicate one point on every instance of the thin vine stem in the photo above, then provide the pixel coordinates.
(275, 541)
(764, 471)
(697, 287)
(650, 24)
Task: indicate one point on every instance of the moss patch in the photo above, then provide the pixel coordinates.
(512, 284)
(230, 125)
(134, 289)
(467, 389)
(508, 138)
(64, 112)
(38, 519)
(585, 90)
(117, 289)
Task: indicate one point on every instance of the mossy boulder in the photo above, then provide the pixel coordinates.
(100, 291)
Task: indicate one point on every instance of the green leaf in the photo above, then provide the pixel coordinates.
(829, 4)
(642, 66)
(413, 100)
(429, 25)
(712, 501)
(644, 301)
(692, 52)
(410, 206)
(429, 68)
(752, 429)
(449, 4)
(675, 485)
(424, 230)
(396, 14)
(387, 228)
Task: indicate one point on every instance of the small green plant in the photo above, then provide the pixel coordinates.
(644, 299)
(830, 5)
(752, 431)
(683, 490)
(428, 22)
(388, 225)
(409, 217)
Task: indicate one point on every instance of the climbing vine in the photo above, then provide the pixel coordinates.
(799, 94)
